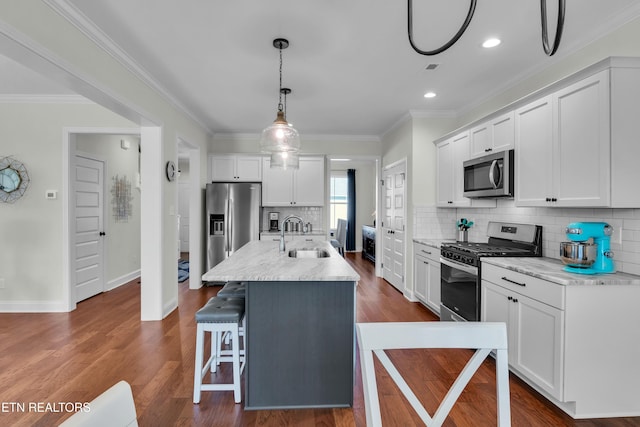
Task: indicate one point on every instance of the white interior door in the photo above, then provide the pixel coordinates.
(393, 227)
(183, 210)
(89, 227)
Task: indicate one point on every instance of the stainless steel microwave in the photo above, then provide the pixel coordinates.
(489, 176)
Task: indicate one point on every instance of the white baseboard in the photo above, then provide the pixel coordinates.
(119, 281)
(169, 307)
(34, 307)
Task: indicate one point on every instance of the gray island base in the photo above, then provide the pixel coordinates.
(300, 320)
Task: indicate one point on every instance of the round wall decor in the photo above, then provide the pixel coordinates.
(14, 179)
(171, 170)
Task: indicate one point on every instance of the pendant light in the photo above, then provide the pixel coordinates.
(280, 136)
(285, 160)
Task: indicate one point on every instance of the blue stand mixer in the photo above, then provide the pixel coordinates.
(589, 251)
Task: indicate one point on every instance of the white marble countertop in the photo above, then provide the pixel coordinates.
(261, 260)
(434, 243)
(551, 269)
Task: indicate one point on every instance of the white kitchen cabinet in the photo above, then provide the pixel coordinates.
(535, 332)
(426, 275)
(300, 187)
(563, 147)
(235, 167)
(493, 135)
(560, 341)
(450, 154)
(534, 153)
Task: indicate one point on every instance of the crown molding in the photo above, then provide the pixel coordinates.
(304, 137)
(69, 12)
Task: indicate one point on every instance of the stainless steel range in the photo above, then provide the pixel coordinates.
(460, 265)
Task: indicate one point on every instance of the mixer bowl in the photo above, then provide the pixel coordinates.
(578, 254)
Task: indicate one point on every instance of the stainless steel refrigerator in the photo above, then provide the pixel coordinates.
(233, 218)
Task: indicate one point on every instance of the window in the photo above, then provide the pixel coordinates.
(338, 200)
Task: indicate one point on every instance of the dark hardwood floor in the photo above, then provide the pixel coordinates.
(72, 357)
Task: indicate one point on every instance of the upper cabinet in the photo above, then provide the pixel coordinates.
(450, 154)
(575, 142)
(493, 135)
(235, 167)
(562, 147)
(533, 153)
(302, 187)
(575, 146)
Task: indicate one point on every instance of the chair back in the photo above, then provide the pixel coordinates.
(375, 338)
(341, 232)
(113, 408)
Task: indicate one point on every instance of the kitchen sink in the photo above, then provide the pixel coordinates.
(309, 253)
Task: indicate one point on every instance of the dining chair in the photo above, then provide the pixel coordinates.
(113, 408)
(375, 338)
(341, 236)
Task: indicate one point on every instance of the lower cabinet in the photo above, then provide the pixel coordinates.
(575, 343)
(534, 332)
(426, 275)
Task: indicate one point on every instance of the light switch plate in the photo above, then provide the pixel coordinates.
(51, 194)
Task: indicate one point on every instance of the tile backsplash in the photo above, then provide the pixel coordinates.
(308, 214)
(435, 223)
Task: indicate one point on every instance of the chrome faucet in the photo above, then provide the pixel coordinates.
(287, 218)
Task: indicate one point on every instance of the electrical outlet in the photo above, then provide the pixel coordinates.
(618, 236)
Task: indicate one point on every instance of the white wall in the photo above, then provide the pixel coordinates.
(31, 228)
(123, 237)
(37, 35)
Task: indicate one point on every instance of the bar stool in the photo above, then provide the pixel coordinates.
(232, 290)
(219, 316)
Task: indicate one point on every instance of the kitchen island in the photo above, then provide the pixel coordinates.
(300, 324)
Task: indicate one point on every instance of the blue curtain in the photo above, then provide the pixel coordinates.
(351, 210)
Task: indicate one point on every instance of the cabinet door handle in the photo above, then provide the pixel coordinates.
(425, 262)
(513, 281)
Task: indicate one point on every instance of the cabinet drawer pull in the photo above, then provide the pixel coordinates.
(513, 281)
(426, 252)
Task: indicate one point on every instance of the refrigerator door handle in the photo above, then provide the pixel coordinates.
(230, 236)
(226, 227)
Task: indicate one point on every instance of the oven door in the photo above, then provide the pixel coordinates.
(460, 289)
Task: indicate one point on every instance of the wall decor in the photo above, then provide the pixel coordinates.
(14, 179)
(121, 198)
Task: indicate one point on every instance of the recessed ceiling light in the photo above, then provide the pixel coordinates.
(491, 43)
(430, 95)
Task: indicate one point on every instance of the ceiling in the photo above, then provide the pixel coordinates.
(349, 63)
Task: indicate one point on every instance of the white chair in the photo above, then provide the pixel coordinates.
(113, 408)
(341, 236)
(482, 336)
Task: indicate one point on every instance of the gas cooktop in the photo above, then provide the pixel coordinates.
(505, 239)
(484, 249)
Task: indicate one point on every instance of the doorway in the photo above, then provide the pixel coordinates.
(368, 174)
(104, 180)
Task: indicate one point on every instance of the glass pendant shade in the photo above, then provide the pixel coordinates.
(279, 136)
(285, 160)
